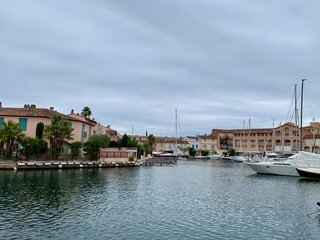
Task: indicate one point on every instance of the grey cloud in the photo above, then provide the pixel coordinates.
(133, 62)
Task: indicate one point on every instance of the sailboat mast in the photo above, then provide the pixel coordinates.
(296, 115)
(301, 110)
(176, 130)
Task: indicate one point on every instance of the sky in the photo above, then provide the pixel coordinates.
(218, 63)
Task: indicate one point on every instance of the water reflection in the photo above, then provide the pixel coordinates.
(193, 200)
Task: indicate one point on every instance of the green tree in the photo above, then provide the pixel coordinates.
(57, 132)
(127, 141)
(204, 153)
(32, 146)
(192, 152)
(151, 140)
(76, 149)
(93, 145)
(124, 141)
(10, 134)
(231, 152)
(146, 149)
(86, 112)
(114, 144)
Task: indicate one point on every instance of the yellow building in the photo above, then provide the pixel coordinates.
(208, 143)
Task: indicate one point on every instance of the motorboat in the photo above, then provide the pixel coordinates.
(239, 158)
(286, 166)
(309, 172)
(214, 157)
(283, 168)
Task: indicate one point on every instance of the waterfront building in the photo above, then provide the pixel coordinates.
(29, 117)
(284, 138)
(100, 129)
(311, 141)
(194, 142)
(171, 144)
(123, 154)
(208, 143)
(164, 144)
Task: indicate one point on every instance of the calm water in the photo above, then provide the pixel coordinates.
(193, 200)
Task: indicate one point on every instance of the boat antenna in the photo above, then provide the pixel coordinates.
(301, 110)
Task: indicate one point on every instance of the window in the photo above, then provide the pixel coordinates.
(83, 133)
(90, 131)
(286, 132)
(1, 121)
(23, 123)
(69, 124)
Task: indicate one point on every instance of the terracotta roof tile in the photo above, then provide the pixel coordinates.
(28, 112)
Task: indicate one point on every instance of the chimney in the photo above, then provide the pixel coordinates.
(33, 106)
(72, 111)
(52, 108)
(0, 104)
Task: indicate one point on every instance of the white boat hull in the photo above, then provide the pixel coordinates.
(283, 169)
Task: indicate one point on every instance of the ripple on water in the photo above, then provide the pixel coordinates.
(193, 200)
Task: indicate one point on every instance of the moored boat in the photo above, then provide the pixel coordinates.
(214, 157)
(287, 166)
(309, 172)
(283, 168)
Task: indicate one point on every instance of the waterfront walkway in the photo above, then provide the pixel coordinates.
(33, 165)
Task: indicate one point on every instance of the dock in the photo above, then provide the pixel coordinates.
(39, 165)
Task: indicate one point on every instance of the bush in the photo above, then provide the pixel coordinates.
(76, 149)
(131, 158)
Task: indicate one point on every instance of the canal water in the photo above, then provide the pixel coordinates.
(206, 199)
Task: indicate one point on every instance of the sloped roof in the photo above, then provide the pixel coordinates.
(29, 112)
(33, 111)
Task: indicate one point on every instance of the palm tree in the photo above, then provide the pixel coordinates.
(10, 134)
(151, 140)
(57, 133)
(86, 112)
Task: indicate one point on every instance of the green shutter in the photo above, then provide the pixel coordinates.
(23, 123)
(1, 121)
(69, 124)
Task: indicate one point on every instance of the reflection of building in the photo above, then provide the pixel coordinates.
(284, 138)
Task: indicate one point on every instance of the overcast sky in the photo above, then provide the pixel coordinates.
(133, 62)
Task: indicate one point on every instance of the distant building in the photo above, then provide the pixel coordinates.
(164, 144)
(312, 138)
(208, 143)
(284, 138)
(194, 142)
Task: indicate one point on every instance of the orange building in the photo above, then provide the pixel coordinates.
(284, 138)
